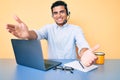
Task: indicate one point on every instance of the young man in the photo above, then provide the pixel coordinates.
(62, 37)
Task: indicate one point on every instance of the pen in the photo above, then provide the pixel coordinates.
(81, 64)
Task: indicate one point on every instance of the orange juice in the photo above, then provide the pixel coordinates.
(100, 56)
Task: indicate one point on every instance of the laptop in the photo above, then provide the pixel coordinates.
(29, 53)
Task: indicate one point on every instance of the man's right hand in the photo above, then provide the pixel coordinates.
(20, 30)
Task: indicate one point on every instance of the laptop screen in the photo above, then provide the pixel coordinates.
(29, 53)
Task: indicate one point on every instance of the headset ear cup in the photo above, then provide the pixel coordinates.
(68, 13)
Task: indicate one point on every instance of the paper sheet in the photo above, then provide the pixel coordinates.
(76, 65)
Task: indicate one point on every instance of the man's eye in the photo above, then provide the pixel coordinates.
(62, 12)
(54, 13)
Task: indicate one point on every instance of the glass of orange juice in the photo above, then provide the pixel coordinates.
(100, 56)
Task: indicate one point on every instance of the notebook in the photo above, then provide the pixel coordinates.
(29, 53)
(76, 65)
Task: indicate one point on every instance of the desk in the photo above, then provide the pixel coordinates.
(9, 70)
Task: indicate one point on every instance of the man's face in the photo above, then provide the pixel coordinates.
(59, 15)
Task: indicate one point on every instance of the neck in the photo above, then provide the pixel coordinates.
(61, 24)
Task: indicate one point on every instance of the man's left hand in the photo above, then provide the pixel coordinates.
(88, 57)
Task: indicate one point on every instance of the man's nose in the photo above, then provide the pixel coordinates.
(59, 14)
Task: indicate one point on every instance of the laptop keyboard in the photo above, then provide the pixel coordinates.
(47, 65)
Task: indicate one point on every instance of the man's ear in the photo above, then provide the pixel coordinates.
(52, 15)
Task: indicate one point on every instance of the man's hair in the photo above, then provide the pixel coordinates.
(60, 3)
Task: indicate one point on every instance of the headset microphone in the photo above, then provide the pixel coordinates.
(65, 21)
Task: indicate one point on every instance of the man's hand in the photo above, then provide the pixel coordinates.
(20, 30)
(88, 57)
